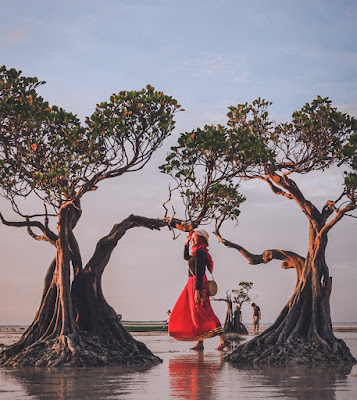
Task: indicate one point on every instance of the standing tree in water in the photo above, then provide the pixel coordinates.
(253, 147)
(229, 320)
(240, 297)
(318, 137)
(233, 321)
(46, 153)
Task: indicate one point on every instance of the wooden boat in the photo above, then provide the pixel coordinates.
(144, 326)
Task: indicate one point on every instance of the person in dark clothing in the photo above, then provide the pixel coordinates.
(256, 317)
(192, 317)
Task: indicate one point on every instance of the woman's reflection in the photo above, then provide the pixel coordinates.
(193, 377)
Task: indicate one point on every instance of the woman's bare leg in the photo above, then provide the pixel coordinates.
(199, 345)
(224, 342)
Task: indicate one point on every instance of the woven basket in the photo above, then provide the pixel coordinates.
(211, 288)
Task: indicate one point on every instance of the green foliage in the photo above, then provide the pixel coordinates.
(205, 186)
(209, 163)
(206, 162)
(319, 136)
(242, 294)
(348, 156)
(39, 144)
(135, 118)
(351, 183)
(313, 140)
(320, 132)
(46, 150)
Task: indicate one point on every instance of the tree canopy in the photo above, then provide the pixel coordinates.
(242, 295)
(209, 164)
(47, 151)
(198, 164)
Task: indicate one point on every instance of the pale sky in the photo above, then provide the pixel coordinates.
(209, 55)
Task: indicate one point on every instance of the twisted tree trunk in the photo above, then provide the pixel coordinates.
(51, 338)
(95, 317)
(74, 325)
(302, 333)
(232, 322)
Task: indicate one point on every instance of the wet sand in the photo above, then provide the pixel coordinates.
(183, 374)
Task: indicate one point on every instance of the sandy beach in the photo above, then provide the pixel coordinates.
(183, 374)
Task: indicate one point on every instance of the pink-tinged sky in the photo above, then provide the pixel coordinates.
(209, 55)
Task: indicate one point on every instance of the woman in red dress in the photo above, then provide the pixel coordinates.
(192, 317)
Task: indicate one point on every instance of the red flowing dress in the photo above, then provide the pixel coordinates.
(189, 321)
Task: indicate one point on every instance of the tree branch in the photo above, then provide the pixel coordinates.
(48, 234)
(277, 190)
(107, 244)
(340, 213)
(38, 237)
(289, 258)
(330, 207)
(290, 186)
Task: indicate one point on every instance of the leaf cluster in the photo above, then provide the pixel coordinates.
(47, 151)
(242, 295)
(318, 136)
(348, 156)
(202, 176)
(132, 125)
(313, 140)
(42, 148)
(206, 163)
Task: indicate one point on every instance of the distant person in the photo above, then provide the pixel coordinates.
(165, 327)
(256, 317)
(168, 312)
(192, 317)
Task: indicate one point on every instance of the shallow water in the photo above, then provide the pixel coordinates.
(183, 374)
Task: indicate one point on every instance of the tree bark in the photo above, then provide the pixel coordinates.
(95, 316)
(302, 333)
(232, 322)
(74, 325)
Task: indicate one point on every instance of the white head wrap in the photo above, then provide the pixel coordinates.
(202, 232)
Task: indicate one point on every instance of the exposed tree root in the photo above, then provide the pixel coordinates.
(240, 328)
(81, 350)
(297, 352)
(86, 332)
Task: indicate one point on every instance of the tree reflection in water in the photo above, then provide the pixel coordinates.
(97, 383)
(296, 382)
(184, 374)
